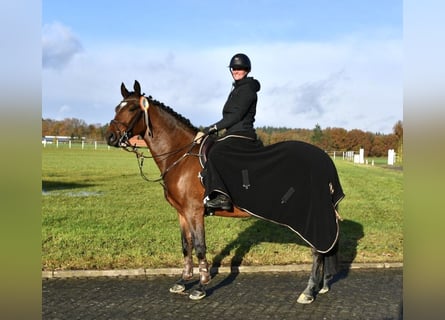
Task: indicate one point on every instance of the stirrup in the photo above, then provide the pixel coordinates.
(208, 212)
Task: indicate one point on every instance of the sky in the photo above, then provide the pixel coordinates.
(320, 62)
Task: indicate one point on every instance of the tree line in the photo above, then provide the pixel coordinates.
(74, 128)
(339, 139)
(328, 139)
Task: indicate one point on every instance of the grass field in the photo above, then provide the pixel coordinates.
(98, 213)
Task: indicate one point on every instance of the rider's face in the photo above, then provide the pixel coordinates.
(238, 74)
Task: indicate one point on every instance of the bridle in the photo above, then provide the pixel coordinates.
(126, 134)
(124, 142)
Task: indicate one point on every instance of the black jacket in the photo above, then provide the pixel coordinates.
(240, 108)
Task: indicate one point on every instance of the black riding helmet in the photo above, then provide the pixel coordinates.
(241, 61)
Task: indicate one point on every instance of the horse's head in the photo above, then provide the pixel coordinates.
(129, 118)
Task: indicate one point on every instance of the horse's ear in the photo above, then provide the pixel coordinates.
(124, 91)
(137, 87)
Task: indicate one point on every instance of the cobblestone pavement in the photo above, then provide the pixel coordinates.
(355, 294)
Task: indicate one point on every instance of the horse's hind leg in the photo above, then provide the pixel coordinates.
(308, 295)
(330, 267)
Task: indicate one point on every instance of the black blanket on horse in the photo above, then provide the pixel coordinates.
(292, 183)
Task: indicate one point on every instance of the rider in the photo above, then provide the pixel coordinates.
(238, 116)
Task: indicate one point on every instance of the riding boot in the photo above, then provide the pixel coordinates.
(221, 201)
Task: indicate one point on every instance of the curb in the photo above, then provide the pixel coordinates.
(178, 271)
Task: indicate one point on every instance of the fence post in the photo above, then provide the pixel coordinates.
(362, 156)
(391, 157)
(83, 144)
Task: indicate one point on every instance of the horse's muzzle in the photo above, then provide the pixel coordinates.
(116, 139)
(112, 139)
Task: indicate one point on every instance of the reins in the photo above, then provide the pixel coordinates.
(140, 157)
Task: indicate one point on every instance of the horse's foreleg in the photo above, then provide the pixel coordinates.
(204, 272)
(308, 295)
(199, 244)
(187, 248)
(187, 271)
(200, 248)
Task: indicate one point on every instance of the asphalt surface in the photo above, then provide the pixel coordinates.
(355, 294)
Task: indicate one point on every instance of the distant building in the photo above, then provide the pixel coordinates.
(59, 139)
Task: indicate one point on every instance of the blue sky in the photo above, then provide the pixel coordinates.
(332, 63)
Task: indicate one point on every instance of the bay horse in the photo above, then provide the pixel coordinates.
(170, 139)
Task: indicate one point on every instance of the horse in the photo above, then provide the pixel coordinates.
(170, 137)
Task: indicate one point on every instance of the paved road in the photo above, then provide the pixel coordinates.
(356, 294)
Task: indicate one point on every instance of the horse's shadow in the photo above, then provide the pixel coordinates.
(350, 234)
(263, 231)
(48, 186)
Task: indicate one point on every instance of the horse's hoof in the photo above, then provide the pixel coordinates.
(324, 290)
(177, 288)
(197, 294)
(305, 299)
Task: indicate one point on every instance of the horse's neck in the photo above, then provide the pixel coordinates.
(169, 141)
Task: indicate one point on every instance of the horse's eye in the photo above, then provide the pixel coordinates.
(134, 107)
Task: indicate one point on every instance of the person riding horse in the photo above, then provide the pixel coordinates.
(238, 117)
(291, 183)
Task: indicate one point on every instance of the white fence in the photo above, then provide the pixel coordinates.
(359, 157)
(68, 143)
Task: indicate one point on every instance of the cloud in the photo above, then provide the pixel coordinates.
(354, 82)
(64, 109)
(311, 98)
(350, 83)
(59, 45)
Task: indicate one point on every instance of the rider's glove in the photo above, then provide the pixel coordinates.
(210, 130)
(198, 137)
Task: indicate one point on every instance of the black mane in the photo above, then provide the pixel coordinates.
(169, 110)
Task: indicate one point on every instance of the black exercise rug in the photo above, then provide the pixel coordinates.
(292, 183)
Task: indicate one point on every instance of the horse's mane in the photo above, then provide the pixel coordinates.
(172, 112)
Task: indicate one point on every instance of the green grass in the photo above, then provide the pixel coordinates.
(98, 213)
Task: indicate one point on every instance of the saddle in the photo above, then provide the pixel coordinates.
(205, 147)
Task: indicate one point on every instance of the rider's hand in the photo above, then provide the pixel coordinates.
(198, 137)
(210, 130)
